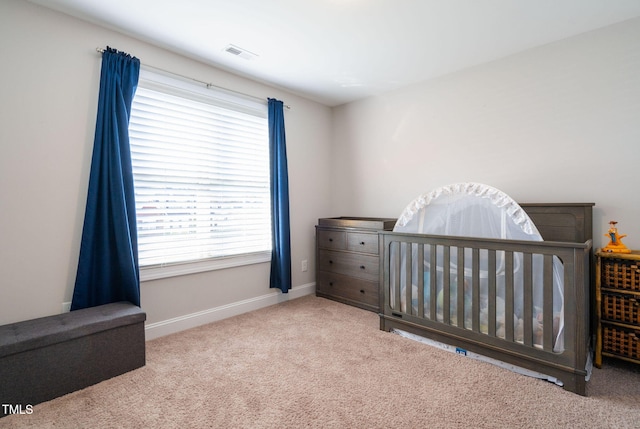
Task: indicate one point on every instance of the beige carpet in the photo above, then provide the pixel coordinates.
(314, 363)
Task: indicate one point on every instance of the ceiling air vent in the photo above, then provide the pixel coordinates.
(239, 52)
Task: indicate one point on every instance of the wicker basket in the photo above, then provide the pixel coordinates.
(621, 341)
(621, 308)
(621, 274)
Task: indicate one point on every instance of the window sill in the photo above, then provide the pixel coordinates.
(181, 269)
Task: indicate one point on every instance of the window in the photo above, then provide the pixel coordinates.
(201, 175)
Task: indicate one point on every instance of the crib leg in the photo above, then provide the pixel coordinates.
(575, 383)
(382, 324)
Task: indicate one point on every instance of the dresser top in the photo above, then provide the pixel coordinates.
(358, 222)
(634, 255)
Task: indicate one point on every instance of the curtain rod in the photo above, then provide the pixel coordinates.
(207, 84)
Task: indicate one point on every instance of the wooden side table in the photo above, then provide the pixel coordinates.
(618, 306)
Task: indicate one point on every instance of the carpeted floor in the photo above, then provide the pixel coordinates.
(314, 363)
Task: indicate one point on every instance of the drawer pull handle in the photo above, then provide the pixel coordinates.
(362, 243)
(330, 283)
(362, 291)
(331, 239)
(330, 261)
(362, 267)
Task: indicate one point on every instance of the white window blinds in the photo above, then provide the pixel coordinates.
(201, 172)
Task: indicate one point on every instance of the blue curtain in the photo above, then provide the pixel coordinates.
(280, 230)
(108, 265)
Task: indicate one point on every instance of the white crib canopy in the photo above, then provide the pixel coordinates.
(470, 210)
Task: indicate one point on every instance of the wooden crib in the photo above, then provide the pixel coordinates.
(475, 326)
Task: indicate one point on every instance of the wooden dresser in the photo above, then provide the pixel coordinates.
(618, 306)
(347, 261)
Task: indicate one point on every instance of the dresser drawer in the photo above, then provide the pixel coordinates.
(362, 242)
(621, 341)
(621, 308)
(353, 289)
(331, 239)
(622, 274)
(350, 264)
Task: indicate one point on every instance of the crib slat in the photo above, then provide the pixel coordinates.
(460, 288)
(420, 263)
(396, 271)
(408, 289)
(475, 291)
(527, 299)
(433, 302)
(491, 272)
(446, 281)
(547, 321)
(508, 295)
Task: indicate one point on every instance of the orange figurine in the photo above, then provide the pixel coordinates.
(615, 244)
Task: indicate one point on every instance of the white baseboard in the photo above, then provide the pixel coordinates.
(177, 324)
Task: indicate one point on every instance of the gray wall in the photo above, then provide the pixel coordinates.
(559, 123)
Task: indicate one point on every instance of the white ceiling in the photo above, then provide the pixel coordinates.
(336, 51)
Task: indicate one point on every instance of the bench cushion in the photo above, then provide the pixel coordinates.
(45, 331)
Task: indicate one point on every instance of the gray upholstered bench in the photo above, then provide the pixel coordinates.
(44, 358)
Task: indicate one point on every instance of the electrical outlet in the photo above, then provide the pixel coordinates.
(305, 265)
